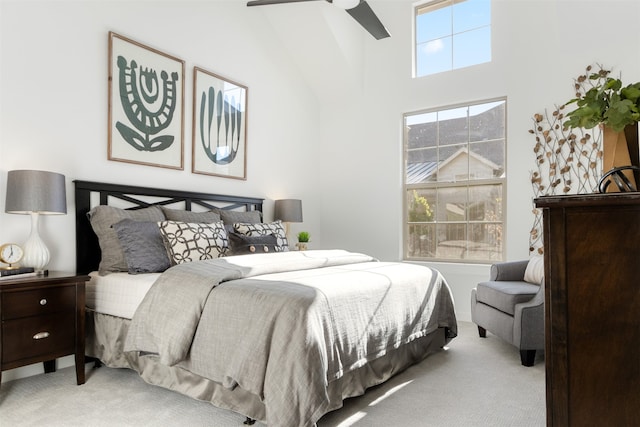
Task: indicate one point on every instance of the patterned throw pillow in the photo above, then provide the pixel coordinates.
(263, 229)
(190, 241)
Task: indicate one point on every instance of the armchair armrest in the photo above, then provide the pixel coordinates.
(508, 271)
(529, 316)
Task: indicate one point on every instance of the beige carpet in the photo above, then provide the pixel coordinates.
(474, 382)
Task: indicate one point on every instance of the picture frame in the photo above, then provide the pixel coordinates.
(219, 138)
(146, 105)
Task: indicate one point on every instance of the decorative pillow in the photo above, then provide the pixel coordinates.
(143, 247)
(263, 229)
(534, 273)
(189, 216)
(102, 218)
(231, 217)
(240, 244)
(190, 241)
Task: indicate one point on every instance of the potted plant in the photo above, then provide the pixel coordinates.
(303, 239)
(603, 101)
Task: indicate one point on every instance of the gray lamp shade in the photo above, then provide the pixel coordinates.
(35, 191)
(288, 210)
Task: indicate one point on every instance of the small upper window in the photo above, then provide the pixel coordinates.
(451, 34)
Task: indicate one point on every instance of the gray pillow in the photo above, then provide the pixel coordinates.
(143, 247)
(102, 218)
(231, 217)
(240, 244)
(188, 216)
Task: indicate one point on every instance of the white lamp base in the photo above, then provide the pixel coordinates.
(36, 253)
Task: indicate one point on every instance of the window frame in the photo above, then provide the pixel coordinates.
(438, 185)
(433, 5)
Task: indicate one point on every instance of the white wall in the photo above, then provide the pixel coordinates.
(538, 48)
(325, 103)
(54, 97)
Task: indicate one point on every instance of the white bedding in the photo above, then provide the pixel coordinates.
(118, 294)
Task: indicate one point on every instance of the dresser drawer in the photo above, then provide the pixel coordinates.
(45, 300)
(35, 336)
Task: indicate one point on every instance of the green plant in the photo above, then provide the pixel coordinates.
(419, 209)
(606, 101)
(303, 237)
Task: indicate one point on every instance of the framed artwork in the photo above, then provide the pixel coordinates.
(219, 126)
(146, 105)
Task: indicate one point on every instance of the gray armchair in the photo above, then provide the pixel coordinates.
(511, 309)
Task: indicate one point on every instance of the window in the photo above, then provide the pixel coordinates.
(454, 179)
(451, 34)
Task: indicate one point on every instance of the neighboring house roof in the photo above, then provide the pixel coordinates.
(420, 172)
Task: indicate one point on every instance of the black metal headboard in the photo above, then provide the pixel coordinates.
(87, 248)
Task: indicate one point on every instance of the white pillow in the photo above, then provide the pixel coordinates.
(534, 272)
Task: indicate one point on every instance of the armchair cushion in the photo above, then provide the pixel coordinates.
(504, 295)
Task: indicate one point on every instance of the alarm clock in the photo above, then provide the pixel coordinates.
(11, 254)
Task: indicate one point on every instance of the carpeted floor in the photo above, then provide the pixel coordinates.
(474, 382)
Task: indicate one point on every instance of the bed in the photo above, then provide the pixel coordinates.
(278, 336)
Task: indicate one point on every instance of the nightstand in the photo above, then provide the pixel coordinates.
(42, 319)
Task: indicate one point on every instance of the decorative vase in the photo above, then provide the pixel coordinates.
(302, 246)
(620, 149)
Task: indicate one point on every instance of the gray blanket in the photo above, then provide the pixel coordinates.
(283, 326)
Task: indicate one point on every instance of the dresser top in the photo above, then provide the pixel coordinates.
(595, 199)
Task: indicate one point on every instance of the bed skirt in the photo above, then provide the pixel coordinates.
(106, 336)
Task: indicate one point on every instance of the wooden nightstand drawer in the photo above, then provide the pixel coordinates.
(44, 300)
(35, 336)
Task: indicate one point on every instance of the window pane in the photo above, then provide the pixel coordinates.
(433, 25)
(454, 126)
(422, 130)
(421, 165)
(420, 205)
(451, 204)
(485, 242)
(487, 160)
(434, 56)
(452, 241)
(471, 14)
(486, 121)
(454, 163)
(485, 203)
(421, 241)
(472, 47)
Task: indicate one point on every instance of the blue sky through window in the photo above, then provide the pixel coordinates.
(450, 36)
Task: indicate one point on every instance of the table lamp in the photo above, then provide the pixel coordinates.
(288, 210)
(35, 192)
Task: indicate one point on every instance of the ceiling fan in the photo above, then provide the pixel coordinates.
(358, 9)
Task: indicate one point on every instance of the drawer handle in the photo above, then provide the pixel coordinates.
(41, 335)
(43, 301)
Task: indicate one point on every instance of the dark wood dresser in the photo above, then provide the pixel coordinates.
(592, 309)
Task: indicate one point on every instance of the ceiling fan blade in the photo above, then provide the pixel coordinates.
(267, 2)
(368, 19)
